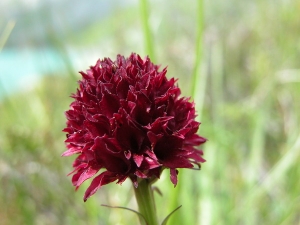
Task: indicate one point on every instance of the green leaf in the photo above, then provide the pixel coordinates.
(141, 217)
(156, 189)
(167, 218)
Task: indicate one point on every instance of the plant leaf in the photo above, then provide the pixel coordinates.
(168, 217)
(156, 189)
(141, 217)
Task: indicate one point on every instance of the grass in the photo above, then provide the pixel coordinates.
(243, 70)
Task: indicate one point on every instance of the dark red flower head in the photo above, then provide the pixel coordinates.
(128, 119)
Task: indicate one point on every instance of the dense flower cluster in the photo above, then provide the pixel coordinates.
(128, 119)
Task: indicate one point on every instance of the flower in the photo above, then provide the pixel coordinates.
(128, 119)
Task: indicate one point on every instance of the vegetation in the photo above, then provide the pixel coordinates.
(240, 62)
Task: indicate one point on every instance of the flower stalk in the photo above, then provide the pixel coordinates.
(145, 200)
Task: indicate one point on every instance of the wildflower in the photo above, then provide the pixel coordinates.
(130, 120)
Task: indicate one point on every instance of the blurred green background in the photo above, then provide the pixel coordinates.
(238, 59)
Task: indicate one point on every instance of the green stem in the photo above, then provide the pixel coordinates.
(145, 200)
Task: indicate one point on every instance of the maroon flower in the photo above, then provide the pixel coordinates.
(128, 119)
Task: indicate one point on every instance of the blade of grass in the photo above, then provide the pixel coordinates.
(256, 158)
(289, 158)
(146, 29)
(272, 178)
(6, 33)
(182, 193)
(208, 202)
(167, 218)
(198, 47)
(141, 217)
(3, 39)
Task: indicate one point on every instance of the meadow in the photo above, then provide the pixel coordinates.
(238, 60)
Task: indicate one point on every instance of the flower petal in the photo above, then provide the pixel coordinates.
(102, 179)
(72, 150)
(173, 176)
(127, 117)
(138, 159)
